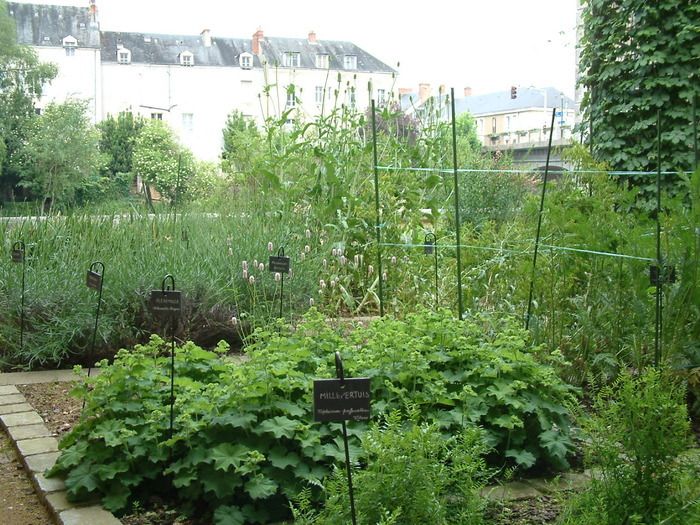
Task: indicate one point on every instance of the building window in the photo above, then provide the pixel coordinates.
(69, 44)
(186, 58)
(350, 62)
(508, 123)
(188, 121)
(291, 97)
(323, 61)
(157, 116)
(123, 56)
(291, 59)
(318, 95)
(353, 98)
(480, 126)
(493, 125)
(246, 61)
(381, 96)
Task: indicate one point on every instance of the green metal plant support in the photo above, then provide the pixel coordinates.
(460, 306)
(539, 224)
(377, 227)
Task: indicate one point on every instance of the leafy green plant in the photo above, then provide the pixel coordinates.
(244, 440)
(413, 475)
(638, 431)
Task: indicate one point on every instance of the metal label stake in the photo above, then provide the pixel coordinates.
(94, 280)
(339, 400)
(279, 264)
(166, 303)
(18, 256)
(431, 248)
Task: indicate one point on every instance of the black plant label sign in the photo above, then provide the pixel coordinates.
(667, 274)
(17, 256)
(93, 280)
(342, 400)
(278, 264)
(165, 303)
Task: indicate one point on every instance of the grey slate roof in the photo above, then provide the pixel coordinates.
(48, 25)
(501, 102)
(151, 48)
(273, 49)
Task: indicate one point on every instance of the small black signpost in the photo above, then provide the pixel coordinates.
(166, 305)
(279, 264)
(94, 280)
(431, 249)
(18, 256)
(339, 400)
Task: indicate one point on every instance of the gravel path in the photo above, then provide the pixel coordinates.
(19, 504)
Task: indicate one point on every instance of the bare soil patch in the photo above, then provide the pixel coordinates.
(19, 504)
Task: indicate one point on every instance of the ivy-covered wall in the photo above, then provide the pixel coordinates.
(637, 58)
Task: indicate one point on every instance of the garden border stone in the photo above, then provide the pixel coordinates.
(38, 449)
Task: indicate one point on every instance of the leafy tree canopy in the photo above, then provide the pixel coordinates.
(638, 58)
(22, 78)
(161, 161)
(61, 155)
(117, 138)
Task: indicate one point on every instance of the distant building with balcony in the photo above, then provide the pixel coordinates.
(520, 125)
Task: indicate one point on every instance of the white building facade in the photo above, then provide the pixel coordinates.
(194, 82)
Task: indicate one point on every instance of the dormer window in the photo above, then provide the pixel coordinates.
(186, 58)
(350, 62)
(69, 44)
(323, 61)
(291, 59)
(123, 56)
(246, 61)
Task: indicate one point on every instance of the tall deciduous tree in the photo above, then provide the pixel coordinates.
(117, 138)
(638, 58)
(160, 161)
(61, 155)
(22, 78)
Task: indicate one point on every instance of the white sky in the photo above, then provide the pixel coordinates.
(486, 44)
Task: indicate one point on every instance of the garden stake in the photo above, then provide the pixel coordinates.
(376, 204)
(457, 226)
(431, 247)
(539, 224)
(164, 288)
(657, 328)
(94, 281)
(18, 250)
(280, 253)
(340, 374)
(695, 131)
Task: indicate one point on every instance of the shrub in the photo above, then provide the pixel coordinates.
(637, 434)
(413, 476)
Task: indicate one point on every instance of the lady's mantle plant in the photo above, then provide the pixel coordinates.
(244, 440)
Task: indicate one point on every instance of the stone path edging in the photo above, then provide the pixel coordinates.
(38, 449)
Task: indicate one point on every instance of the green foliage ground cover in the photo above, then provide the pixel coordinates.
(245, 440)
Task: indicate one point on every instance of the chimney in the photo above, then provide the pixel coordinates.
(312, 37)
(257, 38)
(467, 91)
(423, 92)
(206, 37)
